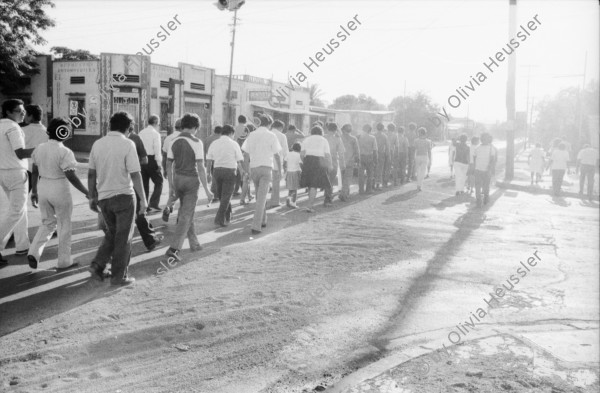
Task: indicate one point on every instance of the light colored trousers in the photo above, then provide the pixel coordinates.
(261, 176)
(460, 173)
(14, 218)
(56, 208)
(421, 163)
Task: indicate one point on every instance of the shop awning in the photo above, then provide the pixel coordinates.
(288, 110)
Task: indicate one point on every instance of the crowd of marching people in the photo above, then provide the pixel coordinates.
(248, 161)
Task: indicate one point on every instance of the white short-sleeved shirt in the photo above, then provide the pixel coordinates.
(282, 142)
(588, 156)
(483, 155)
(261, 145)
(53, 159)
(315, 145)
(293, 160)
(151, 140)
(225, 153)
(35, 135)
(11, 139)
(114, 158)
(559, 158)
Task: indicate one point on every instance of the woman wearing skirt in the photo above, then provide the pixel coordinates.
(316, 162)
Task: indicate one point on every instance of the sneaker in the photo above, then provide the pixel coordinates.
(166, 213)
(22, 252)
(196, 248)
(96, 271)
(126, 281)
(173, 253)
(33, 263)
(255, 232)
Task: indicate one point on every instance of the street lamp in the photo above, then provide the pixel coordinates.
(231, 5)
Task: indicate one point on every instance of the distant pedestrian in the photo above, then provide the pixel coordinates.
(113, 180)
(422, 158)
(337, 151)
(402, 160)
(390, 175)
(54, 165)
(35, 132)
(484, 159)
(383, 156)
(368, 159)
(293, 168)
(166, 144)
(150, 136)
(246, 181)
(262, 148)
(461, 164)
(211, 138)
(587, 164)
(293, 135)
(411, 135)
(559, 164)
(277, 129)
(352, 158)
(13, 175)
(149, 237)
(451, 155)
(316, 158)
(471, 172)
(536, 163)
(185, 166)
(224, 160)
(240, 129)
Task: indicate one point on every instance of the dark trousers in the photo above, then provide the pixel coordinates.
(411, 162)
(224, 180)
(401, 171)
(144, 226)
(587, 171)
(482, 185)
(366, 170)
(118, 213)
(238, 182)
(153, 172)
(557, 180)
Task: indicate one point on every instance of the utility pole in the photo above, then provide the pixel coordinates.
(510, 95)
(229, 104)
(527, 107)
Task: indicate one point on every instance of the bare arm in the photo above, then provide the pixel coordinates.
(93, 191)
(136, 177)
(74, 180)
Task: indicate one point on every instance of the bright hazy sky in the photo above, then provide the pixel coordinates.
(433, 46)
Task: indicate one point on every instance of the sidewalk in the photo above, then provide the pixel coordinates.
(542, 336)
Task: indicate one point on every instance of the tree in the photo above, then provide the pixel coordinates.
(65, 53)
(21, 22)
(315, 96)
(417, 109)
(559, 117)
(362, 102)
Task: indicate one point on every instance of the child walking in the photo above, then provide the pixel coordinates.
(293, 166)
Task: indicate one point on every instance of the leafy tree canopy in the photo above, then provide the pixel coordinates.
(65, 53)
(352, 102)
(418, 109)
(21, 22)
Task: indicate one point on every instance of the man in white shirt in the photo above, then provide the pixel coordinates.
(277, 129)
(587, 163)
(559, 164)
(152, 171)
(113, 180)
(484, 159)
(262, 148)
(35, 132)
(240, 129)
(13, 172)
(225, 157)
